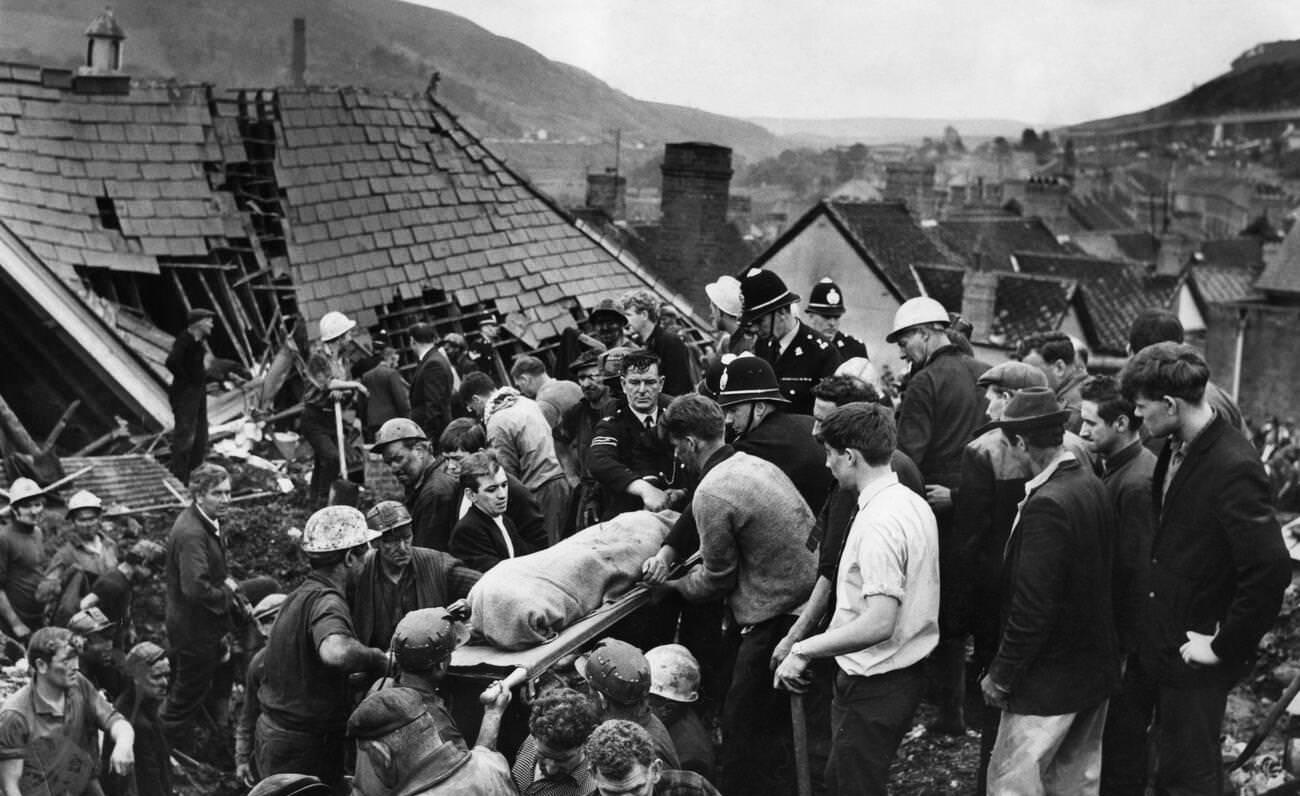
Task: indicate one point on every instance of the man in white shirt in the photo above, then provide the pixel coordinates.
(886, 618)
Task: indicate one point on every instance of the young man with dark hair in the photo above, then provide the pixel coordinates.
(1057, 661)
(1218, 567)
(310, 653)
(552, 760)
(518, 431)
(628, 457)
(753, 528)
(623, 763)
(886, 618)
(1112, 430)
(484, 536)
(1053, 353)
(642, 310)
(1161, 326)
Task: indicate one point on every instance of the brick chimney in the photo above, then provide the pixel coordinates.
(693, 210)
(298, 66)
(979, 293)
(608, 192)
(912, 183)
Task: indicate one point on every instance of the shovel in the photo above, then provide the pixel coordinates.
(342, 492)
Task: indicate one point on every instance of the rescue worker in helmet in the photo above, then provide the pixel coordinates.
(310, 653)
(328, 384)
(77, 563)
(398, 578)
(421, 649)
(22, 561)
(400, 750)
(674, 689)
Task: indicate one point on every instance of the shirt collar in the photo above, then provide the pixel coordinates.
(216, 527)
(1052, 466)
(785, 341)
(653, 415)
(1122, 456)
(875, 488)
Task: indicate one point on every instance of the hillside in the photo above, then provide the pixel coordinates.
(1266, 86)
(886, 130)
(501, 87)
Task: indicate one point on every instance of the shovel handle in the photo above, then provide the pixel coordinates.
(799, 726)
(338, 429)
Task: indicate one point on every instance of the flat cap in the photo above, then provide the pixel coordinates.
(385, 711)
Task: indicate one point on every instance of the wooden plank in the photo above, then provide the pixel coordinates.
(230, 328)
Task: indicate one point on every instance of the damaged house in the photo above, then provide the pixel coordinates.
(123, 204)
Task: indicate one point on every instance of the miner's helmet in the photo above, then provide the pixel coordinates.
(919, 311)
(24, 489)
(335, 528)
(674, 673)
(88, 622)
(388, 515)
(617, 670)
(84, 499)
(398, 429)
(290, 785)
(426, 637)
(334, 325)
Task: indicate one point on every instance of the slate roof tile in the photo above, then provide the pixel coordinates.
(995, 239)
(1114, 292)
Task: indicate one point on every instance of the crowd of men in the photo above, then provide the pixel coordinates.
(1107, 542)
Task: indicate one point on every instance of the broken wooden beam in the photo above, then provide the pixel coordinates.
(16, 431)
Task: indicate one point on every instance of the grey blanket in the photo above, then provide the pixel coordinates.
(525, 601)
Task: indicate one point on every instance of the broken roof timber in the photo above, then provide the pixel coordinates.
(102, 351)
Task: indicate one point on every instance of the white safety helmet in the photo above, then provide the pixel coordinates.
(335, 528)
(24, 489)
(334, 325)
(674, 673)
(84, 499)
(917, 312)
(724, 292)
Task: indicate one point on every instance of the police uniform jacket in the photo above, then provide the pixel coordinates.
(807, 360)
(848, 346)
(622, 451)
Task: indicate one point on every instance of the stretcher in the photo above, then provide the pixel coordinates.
(483, 662)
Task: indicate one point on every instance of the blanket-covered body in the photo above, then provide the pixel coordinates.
(525, 601)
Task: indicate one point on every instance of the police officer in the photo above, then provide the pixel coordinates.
(800, 356)
(824, 310)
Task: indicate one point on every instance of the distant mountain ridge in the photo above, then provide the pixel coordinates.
(501, 87)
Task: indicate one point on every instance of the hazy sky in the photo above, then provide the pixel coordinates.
(1036, 61)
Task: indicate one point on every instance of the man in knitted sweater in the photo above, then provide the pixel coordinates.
(754, 541)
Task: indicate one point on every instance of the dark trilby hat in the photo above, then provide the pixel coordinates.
(607, 310)
(197, 314)
(749, 378)
(762, 293)
(1032, 408)
(825, 298)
